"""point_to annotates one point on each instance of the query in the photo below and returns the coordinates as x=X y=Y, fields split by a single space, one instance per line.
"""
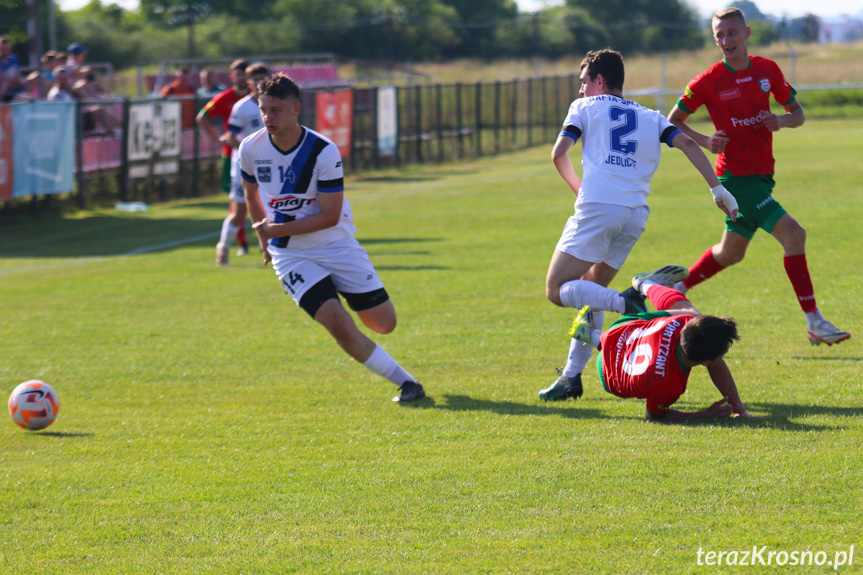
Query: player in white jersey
x=293 y=181
x=621 y=147
x=245 y=119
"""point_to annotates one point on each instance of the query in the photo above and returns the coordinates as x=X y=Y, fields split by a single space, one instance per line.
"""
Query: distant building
x=840 y=29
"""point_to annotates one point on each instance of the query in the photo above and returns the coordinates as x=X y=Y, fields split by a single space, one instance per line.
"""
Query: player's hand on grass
x=717 y=142
x=719 y=409
x=725 y=201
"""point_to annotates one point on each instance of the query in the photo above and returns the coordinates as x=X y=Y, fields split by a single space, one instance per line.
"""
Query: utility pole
x=34 y=34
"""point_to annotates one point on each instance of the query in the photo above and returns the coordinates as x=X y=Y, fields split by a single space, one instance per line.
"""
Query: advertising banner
x=6 y=162
x=44 y=149
x=155 y=138
x=388 y=123
x=335 y=118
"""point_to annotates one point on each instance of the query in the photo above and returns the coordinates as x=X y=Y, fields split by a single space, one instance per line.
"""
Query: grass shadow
x=467 y=403
x=780 y=416
x=61 y=434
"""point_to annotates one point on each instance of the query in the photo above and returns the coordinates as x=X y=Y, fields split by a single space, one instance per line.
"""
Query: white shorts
x=603 y=233
x=345 y=261
x=237 y=193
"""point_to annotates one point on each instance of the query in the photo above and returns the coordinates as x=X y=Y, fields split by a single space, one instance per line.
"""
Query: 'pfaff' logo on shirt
x=290 y=203
x=264 y=174
x=729 y=94
x=765 y=85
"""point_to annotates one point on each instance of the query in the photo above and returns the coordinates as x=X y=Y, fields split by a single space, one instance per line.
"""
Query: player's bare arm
x=331 y=211
x=721 y=376
x=723 y=199
x=257 y=213
x=560 y=157
x=203 y=121
x=715 y=144
x=793 y=118
x=230 y=138
x=719 y=409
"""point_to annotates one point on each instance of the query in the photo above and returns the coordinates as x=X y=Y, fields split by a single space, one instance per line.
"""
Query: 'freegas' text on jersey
x=621 y=147
x=289 y=183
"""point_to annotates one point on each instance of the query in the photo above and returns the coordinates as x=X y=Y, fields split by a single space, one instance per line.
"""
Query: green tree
x=478 y=24
x=644 y=25
x=370 y=29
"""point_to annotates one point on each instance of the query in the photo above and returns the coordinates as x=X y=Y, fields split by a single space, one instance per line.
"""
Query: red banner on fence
x=6 y=163
x=335 y=118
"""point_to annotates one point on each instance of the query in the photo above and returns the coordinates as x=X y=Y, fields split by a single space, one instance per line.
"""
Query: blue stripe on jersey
x=282 y=242
x=248 y=177
x=668 y=135
x=234 y=129
x=303 y=165
x=572 y=132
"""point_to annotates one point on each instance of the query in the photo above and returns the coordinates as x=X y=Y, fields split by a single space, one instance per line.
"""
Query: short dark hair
x=239 y=64
x=607 y=62
x=257 y=69
x=280 y=86
x=729 y=13
x=707 y=337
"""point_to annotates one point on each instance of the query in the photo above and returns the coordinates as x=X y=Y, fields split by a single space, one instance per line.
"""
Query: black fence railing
x=436 y=123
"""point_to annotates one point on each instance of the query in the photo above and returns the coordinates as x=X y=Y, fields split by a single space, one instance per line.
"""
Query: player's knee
x=384 y=327
x=553 y=295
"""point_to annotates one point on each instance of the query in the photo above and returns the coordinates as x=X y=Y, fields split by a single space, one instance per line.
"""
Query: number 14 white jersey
x=621 y=147
x=290 y=182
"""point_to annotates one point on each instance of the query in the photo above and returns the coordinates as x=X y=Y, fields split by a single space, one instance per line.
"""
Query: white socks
x=579 y=293
x=229 y=232
x=382 y=364
x=579 y=351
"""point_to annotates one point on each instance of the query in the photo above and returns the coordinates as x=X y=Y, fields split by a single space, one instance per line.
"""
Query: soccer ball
x=34 y=405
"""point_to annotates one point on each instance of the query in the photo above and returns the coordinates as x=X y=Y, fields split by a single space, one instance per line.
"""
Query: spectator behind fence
x=10 y=69
x=88 y=89
x=75 y=56
x=87 y=85
x=180 y=86
x=61 y=88
x=208 y=88
x=94 y=118
x=39 y=83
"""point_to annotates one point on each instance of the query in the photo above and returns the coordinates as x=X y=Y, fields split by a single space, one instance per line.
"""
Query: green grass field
x=208 y=425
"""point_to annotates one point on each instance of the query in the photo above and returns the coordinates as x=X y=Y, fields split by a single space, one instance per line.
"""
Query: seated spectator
x=87 y=86
x=10 y=69
x=61 y=89
x=208 y=88
x=38 y=83
x=75 y=58
x=180 y=86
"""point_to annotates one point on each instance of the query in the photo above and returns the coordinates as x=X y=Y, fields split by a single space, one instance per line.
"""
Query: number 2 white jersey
x=621 y=147
x=290 y=182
